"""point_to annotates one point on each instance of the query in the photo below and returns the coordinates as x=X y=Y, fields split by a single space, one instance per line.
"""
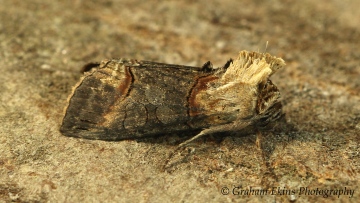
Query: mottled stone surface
x=44 y=45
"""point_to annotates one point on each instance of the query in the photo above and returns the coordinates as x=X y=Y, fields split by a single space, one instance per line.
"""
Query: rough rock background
x=44 y=44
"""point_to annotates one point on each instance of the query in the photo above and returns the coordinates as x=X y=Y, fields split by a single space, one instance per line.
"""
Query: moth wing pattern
x=126 y=99
x=129 y=99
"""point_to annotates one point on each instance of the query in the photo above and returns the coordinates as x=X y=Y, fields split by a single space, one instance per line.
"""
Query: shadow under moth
x=130 y=99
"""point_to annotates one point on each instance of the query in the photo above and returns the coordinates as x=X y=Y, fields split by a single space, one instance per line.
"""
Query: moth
x=131 y=99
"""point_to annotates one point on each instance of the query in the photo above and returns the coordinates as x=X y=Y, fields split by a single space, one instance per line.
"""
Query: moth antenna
x=170 y=157
x=183 y=145
x=266 y=46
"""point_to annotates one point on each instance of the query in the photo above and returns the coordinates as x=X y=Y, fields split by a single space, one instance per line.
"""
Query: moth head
x=268 y=107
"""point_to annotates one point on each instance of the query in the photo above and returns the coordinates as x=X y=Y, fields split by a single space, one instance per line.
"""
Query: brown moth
x=130 y=99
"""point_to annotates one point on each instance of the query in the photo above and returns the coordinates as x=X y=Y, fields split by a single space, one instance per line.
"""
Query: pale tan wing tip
x=274 y=62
